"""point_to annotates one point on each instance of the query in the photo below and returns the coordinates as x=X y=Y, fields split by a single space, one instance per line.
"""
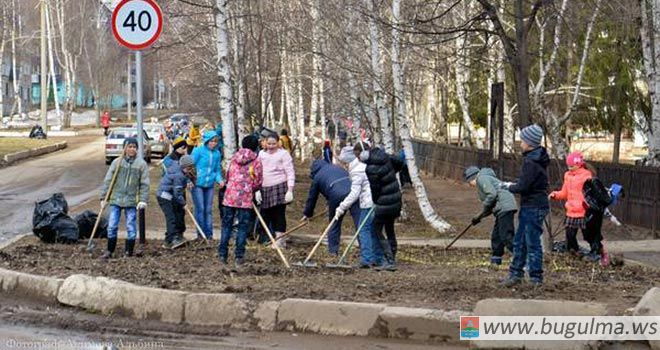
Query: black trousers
x=174 y=218
x=275 y=218
x=386 y=223
x=502 y=235
x=593 y=234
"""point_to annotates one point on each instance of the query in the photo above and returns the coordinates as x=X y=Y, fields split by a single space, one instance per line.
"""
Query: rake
x=340 y=264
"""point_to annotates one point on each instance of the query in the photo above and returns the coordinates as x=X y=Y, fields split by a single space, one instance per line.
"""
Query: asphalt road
x=76 y=171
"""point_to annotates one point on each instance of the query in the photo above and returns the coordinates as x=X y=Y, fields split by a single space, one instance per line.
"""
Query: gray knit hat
x=186 y=161
x=532 y=135
x=470 y=173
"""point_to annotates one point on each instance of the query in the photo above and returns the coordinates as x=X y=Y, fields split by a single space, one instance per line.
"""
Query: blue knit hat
x=130 y=141
x=532 y=135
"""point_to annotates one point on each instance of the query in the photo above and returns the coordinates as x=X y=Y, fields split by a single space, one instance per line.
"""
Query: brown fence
x=639 y=207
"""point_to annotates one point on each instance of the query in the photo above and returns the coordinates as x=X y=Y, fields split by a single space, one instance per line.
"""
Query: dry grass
x=16 y=144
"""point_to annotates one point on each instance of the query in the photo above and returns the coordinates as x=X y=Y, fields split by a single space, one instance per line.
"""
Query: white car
x=160 y=143
x=114 y=143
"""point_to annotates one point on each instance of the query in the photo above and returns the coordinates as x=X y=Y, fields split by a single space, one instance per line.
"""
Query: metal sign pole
x=138 y=86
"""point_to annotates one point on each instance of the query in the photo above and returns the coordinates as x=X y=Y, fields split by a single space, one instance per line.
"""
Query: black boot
x=112 y=243
x=130 y=244
x=389 y=264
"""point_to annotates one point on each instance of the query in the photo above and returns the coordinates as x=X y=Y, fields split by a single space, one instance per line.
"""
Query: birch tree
x=650 y=35
x=462 y=73
x=16 y=76
x=3 y=41
x=397 y=76
x=226 y=98
x=238 y=46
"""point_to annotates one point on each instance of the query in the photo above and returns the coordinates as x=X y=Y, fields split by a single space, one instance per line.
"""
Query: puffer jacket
x=381 y=170
x=532 y=185
x=571 y=192
x=173 y=184
x=131 y=185
x=244 y=177
x=329 y=180
x=359 y=187
x=491 y=196
x=207 y=162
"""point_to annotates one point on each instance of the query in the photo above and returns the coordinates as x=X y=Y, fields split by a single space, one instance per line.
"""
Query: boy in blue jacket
x=170 y=196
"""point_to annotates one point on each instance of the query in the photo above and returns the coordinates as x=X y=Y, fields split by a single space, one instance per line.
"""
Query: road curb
x=223 y=310
x=10 y=158
x=33 y=286
x=649 y=305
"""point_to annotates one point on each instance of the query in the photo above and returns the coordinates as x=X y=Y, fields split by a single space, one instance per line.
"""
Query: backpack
x=596 y=195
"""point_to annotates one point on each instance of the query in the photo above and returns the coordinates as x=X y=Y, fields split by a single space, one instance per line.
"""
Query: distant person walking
x=105 y=122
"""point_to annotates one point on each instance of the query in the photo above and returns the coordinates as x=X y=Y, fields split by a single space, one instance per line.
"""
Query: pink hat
x=575 y=159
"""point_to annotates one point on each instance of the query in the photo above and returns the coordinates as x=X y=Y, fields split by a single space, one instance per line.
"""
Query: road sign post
x=137 y=24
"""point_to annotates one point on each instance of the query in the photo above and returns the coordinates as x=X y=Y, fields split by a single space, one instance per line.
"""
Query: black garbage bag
x=66 y=229
x=86 y=221
x=37 y=132
x=45 y=214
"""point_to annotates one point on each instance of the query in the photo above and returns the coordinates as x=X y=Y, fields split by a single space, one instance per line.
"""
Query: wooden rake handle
x=270 y=236
x=318 y=243
x=107 y=197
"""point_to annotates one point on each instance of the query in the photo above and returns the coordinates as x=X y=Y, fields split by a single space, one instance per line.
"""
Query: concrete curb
x=34 y=286
x=223 y=310
x=51 y=133
x=14 y=157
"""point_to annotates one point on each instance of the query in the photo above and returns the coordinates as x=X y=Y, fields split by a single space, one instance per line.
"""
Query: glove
x=505 y=185
x=476 y=220
x=337 y=216
x=103 y=203
x=257 y=197
x=339 y=212
x=288 y=198
x=142 y=205
x=615 y=221
x=221 y=184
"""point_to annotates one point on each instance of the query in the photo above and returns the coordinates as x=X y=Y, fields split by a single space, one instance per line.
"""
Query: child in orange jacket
x=571 y=192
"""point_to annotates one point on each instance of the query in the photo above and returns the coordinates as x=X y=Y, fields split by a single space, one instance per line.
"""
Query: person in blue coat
x=334 y=183
x=207 y=160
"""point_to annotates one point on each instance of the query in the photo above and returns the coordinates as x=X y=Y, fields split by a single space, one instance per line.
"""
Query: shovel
x=458 y=236
x=90 y=244
x=306 y=263
x=340 y=264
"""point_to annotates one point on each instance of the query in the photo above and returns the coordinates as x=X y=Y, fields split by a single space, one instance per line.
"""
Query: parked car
x=114 y=143
x=160 y=144
x=178 y=117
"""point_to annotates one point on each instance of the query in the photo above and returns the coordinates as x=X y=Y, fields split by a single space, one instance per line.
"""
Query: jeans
x=171 y=210
x=502 y=235
x=245 y=218
x=365 y=237
x=334 y=236
x=115 y=216
x=527 y=244
x=203 y=200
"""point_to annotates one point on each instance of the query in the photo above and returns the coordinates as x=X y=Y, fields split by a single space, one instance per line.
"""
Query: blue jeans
x=367 y=253
x=245 y=218
x=334 y=236
x=203 y=200
x=527 y=244
x=115 y=216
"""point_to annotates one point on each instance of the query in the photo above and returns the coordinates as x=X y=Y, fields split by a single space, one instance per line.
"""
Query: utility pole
x=129 y=98
x=44 y=70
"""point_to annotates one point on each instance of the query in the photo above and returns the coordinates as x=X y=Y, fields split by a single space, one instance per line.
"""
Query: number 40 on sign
x=137 y=24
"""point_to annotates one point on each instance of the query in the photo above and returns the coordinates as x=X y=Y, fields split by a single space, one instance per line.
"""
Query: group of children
x=586 y=204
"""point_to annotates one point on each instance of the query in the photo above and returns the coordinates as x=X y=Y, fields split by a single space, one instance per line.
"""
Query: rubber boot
x=130 y=245
x=112 y=244
x=389 y=264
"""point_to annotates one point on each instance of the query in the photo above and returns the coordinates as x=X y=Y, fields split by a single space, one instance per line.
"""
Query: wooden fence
x=640 y=206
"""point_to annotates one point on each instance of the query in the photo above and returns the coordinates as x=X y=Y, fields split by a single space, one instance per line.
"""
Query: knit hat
x=532 y=135
x=250 y=142
x=470 y=173
x=186 y=161
x=130 y=141
x=575 y=159
x=179 y=142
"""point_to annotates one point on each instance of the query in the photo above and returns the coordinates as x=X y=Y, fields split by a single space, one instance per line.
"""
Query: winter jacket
x=131 y=185
x=194 y=136
x=286 y=143
x=244 y=177
x=172 y=158
x=381 y=170
x=359 y=187
x=491 y=196
x=346 y=155
x=329 y=180
x=207 y=162
x=105 y=120
x=173 y=185
x=278 y=168
x=327 y=154
x=532 y=185
x=571 y=192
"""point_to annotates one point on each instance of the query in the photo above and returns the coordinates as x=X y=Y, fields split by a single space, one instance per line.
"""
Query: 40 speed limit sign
x=137 y=24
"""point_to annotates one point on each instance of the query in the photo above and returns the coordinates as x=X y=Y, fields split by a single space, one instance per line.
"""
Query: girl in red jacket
x=571 y=192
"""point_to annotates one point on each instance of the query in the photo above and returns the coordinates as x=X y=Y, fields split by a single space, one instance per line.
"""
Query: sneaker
x=511 y=282
x=178 y=242
x=592 y=257
x=166 y=245
x=106 y=255
x=223 y=261
x=239 y=262
x=496 y=260
x=604 y=258
x=386 y=267
x=364 y=266
x=536 y=283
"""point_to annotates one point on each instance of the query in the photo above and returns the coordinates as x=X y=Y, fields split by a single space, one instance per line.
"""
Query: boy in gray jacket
x=130 y=192
x=499 y=202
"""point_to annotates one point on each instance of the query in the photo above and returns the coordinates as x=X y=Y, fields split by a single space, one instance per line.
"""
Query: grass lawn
x=16 y=144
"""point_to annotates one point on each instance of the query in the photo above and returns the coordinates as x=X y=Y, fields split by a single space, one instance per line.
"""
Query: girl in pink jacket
x=571 y=192
x=277 y=188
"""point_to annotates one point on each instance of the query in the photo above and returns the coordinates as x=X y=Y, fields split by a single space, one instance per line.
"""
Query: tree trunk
x=617 y=137
x=51 y=62
x=239 y=65
x=521 y=67
x=316 y=67
x=654 y=85
x=3 y=41
x=304 y=146
x=15 y=74
x=377 y=70
x=226 y=99
x=397 y=76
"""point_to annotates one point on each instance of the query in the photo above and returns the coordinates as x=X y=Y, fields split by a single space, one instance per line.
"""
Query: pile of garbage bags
x=52 y=224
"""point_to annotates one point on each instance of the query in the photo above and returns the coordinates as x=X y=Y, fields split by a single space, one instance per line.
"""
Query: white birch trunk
x=226 y=98
x=397 y=75
x=653 y=157
x=322 y=115
x=288 y=98
x=316 y=66
x=238 y=47
x=355 y=109
x=377 y=71
x=3 y=41
x=15 y=74
x=300 y=109
x=51 y=62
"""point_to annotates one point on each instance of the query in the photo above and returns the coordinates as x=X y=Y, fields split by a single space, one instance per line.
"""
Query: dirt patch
x=427 y=277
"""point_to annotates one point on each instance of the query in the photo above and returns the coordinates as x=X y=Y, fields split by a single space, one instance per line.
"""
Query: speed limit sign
x=137 y=24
